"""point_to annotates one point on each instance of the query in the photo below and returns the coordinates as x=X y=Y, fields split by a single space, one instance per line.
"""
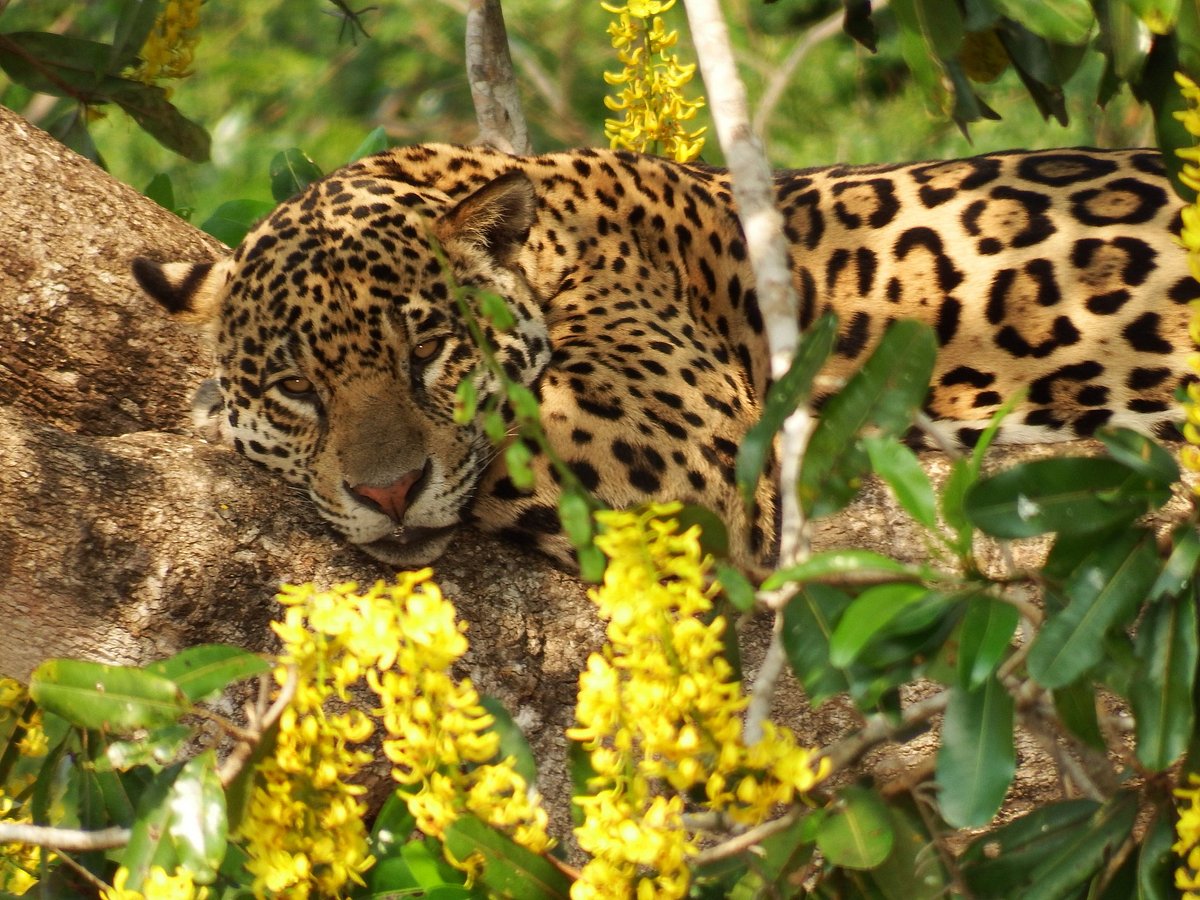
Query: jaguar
x=339 y=342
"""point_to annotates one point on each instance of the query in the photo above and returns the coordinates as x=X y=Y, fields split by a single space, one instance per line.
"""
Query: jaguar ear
x=496 y=218
x=190 y=291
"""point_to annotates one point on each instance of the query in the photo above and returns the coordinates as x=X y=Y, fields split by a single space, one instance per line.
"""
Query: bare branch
x=63 y=838
x=493 y=85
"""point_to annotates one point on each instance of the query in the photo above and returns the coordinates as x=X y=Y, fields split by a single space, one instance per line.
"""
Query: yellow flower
x=651 y=83
x=157 y=886
x=659 y=712
x=170 y=47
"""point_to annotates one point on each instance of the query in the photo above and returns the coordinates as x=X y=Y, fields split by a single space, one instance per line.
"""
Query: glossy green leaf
x=149 y=842
x=197 y=824
x=714 y=536
x=466 y=401
x=1076 y=708
x=736 y=587
x=897 y=465
x=834 y=563
x=883 y=393
x=149 y=107
x=375 y=142
x=291 y=172
x=1103 y=592
x=1061 y=874
x=1156 y=861
x=1141 y=454
x=392 y=827
x=508 y=868
x=513 y=743
x=998 y=864
x=987 y=630
x=857 y=833
x=58 y=64
x=808 y=622
x=977 y=759
x=209 y=668
x=157 y=747
x=911 y=871
x=1070 y=495
x=1182 y=565
x=495 y=309
x=518 y=460
x=162 y=191
x=1033 y=64
x=1157 y=89
x=1124 y=39
x=575 y=513
x=115 y=698
x=871 y=612
x=134 y=22
x=1161 y=694
x=1065 y=21
x=783 y=397
x=940 y=23
x=230 y=222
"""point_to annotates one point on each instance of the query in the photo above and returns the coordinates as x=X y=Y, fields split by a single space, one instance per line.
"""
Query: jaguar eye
x=297 y=387
x=427 y=350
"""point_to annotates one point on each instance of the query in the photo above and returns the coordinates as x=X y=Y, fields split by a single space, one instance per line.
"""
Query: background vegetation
x=274 y=74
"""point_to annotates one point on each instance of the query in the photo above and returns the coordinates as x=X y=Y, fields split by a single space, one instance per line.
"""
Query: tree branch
x=493 y=85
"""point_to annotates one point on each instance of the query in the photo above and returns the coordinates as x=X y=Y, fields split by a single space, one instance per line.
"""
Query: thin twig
x=493 y=85
x=63 y=838
x=747 y=839
x=99 y=884
x=258 y=726
x=880 y=729
x=758 y=710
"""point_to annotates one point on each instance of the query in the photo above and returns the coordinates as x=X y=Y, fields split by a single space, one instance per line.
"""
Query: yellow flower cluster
x=304 y=828
x=439 y=741
x=1187 y=848
x=659 y=711
x=157 y=886
x=1190 y=236
x=171 y=44
x=19 y=863
x=651 y=85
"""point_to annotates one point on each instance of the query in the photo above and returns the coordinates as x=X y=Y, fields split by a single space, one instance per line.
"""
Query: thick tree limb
x=493 y=85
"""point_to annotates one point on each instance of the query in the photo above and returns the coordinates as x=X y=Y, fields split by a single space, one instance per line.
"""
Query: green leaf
x=871 y=612
x=1124 y=39
x=1161 y=694
x=857 y=834
x=508 y=868
x=1076 y=707
x=156 y=748
x=783 y=397
x=393 y=825
x=518 y=461
x=899 y=467
x=197 y=824
x=575 y=513
x=1065 y=21
x=977 y=759
x=1103 y=592
x=208 y=669
x=149 y=843
x=116 y=698
x=513 y=742
x=375 y=142
x=714 y=537
x=833 y=563
x=58 y=64
x=808 y=622
x=911 y=871
x=1064 y=494
x=884 y=393
x=857 y=23
x=150 y=108
x=495 y=309
x=466 y=400
x=999 y=864
x=1159 y=15
x=1062 y=873
x=291 y=172
x=1141 y=454
x=232 y=219
x=987 y=630
x=1181 y=566
x=161 y=191
x=134 y=22
x=1156 y=861
x=736 y=586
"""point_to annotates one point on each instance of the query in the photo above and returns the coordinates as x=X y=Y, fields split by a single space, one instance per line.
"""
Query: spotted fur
x=339 y=347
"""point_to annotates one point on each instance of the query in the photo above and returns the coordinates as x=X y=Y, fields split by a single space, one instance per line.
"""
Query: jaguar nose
x=394 y=499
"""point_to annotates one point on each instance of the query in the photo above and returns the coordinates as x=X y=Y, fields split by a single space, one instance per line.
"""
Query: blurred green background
x=274 y=74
